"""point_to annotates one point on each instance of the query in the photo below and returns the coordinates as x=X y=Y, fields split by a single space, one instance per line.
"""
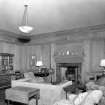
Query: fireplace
x=68 y=67
x=68 y=71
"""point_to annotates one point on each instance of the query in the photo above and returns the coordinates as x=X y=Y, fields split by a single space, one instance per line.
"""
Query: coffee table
x=22 y=94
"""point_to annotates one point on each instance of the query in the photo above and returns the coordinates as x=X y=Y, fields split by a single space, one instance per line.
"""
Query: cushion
x=37 y=79
x=72 y=98
x=101 y=81
x=91 y=85
x=32 y=78
x=32 y=101
x=77 y=99
x=29 y=75
x=63 y=102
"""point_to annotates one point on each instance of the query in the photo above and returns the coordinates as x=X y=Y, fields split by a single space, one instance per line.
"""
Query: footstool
x=22 y=94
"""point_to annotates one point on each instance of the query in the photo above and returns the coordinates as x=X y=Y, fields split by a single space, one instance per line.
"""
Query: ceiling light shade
x=24 y=27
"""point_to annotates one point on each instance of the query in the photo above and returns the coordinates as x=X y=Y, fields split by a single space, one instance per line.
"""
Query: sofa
x=91 y=97
x=94 y=94
x=99 y=85
x=48 y=93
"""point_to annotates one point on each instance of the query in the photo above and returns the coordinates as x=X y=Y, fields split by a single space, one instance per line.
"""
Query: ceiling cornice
x=95 y=28
x=58 y=36
x=8 y=33
x=80 y=30
x=10 y=37
x=78 y=34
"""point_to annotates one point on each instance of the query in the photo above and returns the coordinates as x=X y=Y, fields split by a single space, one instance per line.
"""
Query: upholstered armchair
x=99 y=85
x=86 y=98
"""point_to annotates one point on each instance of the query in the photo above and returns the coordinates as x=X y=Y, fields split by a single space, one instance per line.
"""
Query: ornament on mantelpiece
x=68 y=52
x=63 y=53
x=56 y=53
x=59 y=53
x=73 y=53
x=83 y=53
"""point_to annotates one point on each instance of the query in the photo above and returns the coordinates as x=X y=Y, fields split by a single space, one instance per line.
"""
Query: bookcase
x=6 y=68
x=6 y=62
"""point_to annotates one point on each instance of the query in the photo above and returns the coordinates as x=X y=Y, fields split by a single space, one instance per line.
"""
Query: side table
x=22 y=94
x=69 y=89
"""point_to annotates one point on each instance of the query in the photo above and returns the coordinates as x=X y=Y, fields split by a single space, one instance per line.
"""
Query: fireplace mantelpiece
x=68 y=59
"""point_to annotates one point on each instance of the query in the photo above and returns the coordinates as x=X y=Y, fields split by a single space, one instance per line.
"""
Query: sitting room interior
x=58 y=41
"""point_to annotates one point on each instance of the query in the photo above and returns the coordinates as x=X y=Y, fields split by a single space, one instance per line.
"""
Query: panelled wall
x=13 y=49
x=93 y=51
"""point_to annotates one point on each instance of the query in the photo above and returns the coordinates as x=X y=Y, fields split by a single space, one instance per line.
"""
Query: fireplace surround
x=68 y=71
x=68 y=68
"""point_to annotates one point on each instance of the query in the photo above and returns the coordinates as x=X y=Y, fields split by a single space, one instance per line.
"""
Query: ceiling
x=51 y=15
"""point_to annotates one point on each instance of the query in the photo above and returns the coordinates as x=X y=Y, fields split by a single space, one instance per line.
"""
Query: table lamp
x=39 y=64
x=102 y=64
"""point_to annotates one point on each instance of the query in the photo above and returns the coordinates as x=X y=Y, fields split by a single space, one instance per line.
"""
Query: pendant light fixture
x=25 y=28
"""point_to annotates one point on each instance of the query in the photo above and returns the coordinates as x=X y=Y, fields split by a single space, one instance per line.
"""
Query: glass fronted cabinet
x=6 y=62
x=6 y=70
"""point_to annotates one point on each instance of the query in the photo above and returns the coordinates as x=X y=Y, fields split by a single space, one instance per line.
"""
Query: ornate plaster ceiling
x=51 y=15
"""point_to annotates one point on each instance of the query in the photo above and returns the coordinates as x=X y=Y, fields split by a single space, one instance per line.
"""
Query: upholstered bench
x=22 y=94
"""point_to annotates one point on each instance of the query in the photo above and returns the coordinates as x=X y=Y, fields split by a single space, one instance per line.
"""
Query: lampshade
x=102 y=62
x=39 y=63
x=24 y=27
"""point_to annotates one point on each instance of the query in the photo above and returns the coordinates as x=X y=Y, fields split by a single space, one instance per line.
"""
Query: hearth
x=68 y=71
